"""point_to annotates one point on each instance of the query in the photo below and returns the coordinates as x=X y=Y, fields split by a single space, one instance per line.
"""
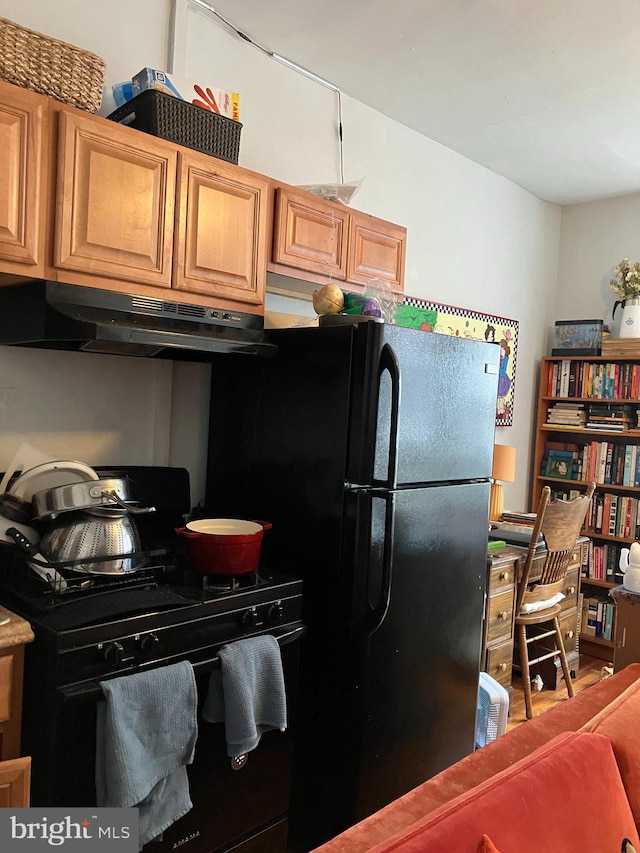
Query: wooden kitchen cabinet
x=115 y=201
x=23 y=126
x=376 y=250
x=13 y=636
x=15 y=783
x=316 y=239
x=220 y=247
x=310 y=233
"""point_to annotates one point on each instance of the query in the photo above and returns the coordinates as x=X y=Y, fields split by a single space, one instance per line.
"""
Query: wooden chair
x=560 y=523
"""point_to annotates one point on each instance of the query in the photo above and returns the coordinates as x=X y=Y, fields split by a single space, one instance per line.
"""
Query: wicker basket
x=179 y=121
x=51 y=67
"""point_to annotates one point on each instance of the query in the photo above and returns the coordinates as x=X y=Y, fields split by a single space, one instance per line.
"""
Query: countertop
x=16 y=631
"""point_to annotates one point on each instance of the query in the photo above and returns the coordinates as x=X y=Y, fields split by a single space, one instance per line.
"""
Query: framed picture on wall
x=461 y=322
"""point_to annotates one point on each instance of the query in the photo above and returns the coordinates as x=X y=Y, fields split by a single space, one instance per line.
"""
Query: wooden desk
x=503 y=570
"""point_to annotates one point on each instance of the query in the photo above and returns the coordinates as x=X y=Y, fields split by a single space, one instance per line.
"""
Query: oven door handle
x=205 y=666
x=90 y=691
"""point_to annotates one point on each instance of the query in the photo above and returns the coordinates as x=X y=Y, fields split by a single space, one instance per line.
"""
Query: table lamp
x=504 y=469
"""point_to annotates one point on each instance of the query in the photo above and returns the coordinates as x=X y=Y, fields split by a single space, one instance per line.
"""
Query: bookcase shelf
x=606 y=391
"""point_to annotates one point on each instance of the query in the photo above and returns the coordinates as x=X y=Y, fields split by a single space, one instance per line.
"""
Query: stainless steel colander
x=99 y=535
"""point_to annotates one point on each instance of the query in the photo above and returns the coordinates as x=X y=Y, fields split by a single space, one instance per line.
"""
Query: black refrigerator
x=369 y=449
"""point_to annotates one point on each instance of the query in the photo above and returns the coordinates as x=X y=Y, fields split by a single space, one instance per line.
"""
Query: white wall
x=474 y=239
x=595 y=237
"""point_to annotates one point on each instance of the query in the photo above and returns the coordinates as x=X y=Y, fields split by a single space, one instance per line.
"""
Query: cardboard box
x=208 y=97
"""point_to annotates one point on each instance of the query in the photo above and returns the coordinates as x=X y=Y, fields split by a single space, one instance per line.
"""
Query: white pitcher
x=630 y=322
x=630 y=567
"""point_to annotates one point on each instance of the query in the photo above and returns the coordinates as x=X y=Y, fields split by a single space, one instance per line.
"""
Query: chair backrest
x=560 y=523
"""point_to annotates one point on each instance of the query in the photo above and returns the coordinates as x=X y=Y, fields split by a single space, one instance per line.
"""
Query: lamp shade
x=504 y=463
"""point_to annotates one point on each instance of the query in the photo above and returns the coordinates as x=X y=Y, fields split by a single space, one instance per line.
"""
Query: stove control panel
x=195 y=632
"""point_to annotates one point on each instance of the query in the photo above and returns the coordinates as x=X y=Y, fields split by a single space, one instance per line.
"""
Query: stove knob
x=276 y=613
x=113 y=653
x=149 y=644
x=249 y=618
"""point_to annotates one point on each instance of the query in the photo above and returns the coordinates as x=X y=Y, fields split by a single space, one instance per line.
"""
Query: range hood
x=52 y=315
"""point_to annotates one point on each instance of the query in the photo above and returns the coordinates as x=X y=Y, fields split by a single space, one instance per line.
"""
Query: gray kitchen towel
x=247 y=693
x=146 y=735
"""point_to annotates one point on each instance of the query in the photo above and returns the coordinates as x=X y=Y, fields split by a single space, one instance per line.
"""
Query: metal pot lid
x=49 y=475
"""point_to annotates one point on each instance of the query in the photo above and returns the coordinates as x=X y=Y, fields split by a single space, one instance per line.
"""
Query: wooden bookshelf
x=574 y=388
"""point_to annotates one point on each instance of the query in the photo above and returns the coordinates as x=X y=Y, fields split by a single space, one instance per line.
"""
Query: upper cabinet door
x=376 y=250
x=115 y=201
x=309 y=233
x=221 y=228
x=22 y=118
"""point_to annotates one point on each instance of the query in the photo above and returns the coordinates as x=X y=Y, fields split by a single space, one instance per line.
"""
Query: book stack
x=567 y=414
x=609 y=417
x=597 y=617
x=516 y=528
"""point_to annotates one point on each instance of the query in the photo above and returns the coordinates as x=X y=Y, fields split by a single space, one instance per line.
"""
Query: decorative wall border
x=461 y=322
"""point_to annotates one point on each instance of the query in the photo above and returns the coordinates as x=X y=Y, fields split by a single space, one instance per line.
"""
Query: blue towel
x=146 y=735
x=247 y=692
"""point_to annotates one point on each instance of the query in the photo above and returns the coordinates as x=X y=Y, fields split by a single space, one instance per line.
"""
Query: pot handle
x=266 y=525
x=615 y=305
x=188 y=534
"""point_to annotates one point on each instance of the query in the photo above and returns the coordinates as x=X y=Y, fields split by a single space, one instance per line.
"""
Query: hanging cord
x=293 y=65
x=340 y=137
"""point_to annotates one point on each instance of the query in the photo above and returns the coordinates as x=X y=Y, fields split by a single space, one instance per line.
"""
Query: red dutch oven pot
x=224 y=546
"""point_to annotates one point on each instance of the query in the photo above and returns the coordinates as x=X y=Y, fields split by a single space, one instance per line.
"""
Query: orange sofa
x=567 y=781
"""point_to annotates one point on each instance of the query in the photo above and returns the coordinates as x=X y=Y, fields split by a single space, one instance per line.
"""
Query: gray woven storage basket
x=51 y=67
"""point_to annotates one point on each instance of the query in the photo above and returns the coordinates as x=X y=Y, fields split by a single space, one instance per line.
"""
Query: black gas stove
x=106 y=626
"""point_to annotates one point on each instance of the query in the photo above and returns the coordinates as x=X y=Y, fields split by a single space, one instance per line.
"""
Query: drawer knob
x=503 y=667
x=504 y=576
x=571 y=590
x=503 y=614
x=569 y=635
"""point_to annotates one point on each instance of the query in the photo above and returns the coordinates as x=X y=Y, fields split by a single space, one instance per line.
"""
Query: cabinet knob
x=571 y=590
x=503 y=614
x=504 y=576
x=569 y=635
x=503 y=667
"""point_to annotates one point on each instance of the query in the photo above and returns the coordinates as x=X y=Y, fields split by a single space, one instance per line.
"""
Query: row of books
x=603 y=562
x=604 y=462
x=597 y=617
x=601 y=380
x=614 y=515
x=609 y=417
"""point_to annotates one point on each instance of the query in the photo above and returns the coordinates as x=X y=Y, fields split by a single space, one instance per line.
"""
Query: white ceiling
x=543 y=92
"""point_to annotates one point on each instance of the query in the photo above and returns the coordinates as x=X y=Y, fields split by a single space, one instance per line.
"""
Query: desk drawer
x=571 y=587
x=500 y=576
x=500 y=616
x=499 y=663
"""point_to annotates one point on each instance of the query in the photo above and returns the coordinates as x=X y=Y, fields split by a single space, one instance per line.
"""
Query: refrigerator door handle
x=379 y=609
x=389 y=362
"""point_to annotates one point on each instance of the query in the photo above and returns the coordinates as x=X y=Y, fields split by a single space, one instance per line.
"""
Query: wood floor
x=589 y=672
